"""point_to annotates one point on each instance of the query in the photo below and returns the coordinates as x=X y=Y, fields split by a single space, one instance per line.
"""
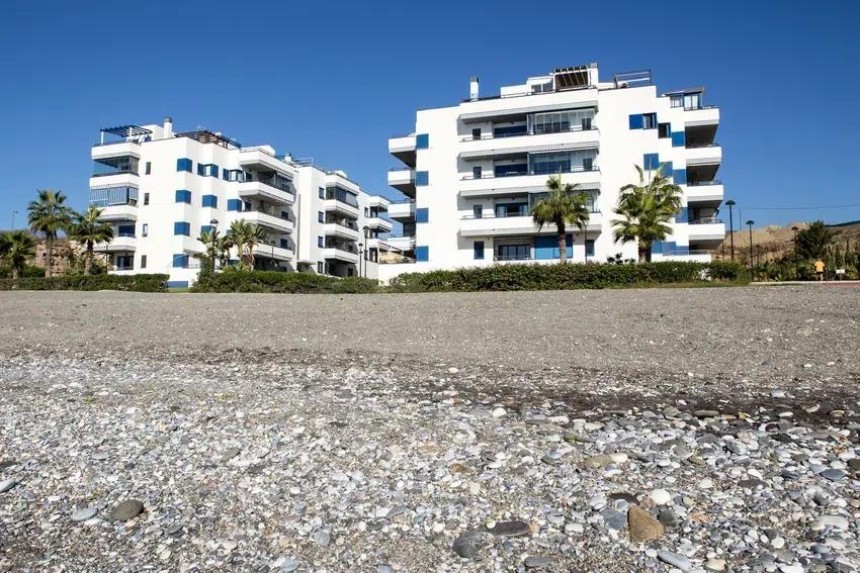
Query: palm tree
x=224 y=244
x=16 y=248
x=645 y=211
x=86 y=228
x=245 y=236
x=217 y=248
x=48 y=215
x=255 y=236
x=561 y=208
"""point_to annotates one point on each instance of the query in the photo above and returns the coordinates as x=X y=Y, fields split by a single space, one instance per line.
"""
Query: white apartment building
x=473 y=171
x=161 y=189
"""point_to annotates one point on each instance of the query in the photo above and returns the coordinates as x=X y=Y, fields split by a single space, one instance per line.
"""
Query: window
x=124 y=262
x=321 y=242
x=677 y=101
x=650 y=161
x=144 y=230
x=664 y=130
x=422 y=215
x=560 y=121
x=513 y=252
x=212 y=170
x=636 y=121
x=206 y=229
x=422 y=141
x=679 y=176
x=184 y=164
x=210 y=201
x=589 y=247
x=510 y=169
x=679 y=139
x=342 y=195
x=478 y=249
x=649 y=121
x=183 y=196
x=182 y=228
x=322 y=192
x=515 y=209
x=125 y=230
x=321 y=217
x=234 y=204
x=143 y=261
x=422 y=178
x=319 y=268
x=510 y=130
x=422 y=254
x=476 y=172
x=692 y=101
x=147 y=170
x=180 y=261
x=146 y=198
x=246 y=206
x=566 y=162
x=476 y=133
x=477 y=211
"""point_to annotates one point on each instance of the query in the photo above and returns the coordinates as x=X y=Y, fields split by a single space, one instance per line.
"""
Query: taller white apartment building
x=161 y=189
x=473 y=171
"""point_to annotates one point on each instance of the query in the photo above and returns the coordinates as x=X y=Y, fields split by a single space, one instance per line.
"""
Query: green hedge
x=30 y=271
x=569 y=276
x=137 y=283
x=275 y=282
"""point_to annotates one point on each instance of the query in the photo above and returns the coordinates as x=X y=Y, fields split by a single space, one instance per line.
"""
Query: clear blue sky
x=333 y=80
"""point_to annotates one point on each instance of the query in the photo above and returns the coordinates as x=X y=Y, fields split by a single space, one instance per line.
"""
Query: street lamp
x=796 y=272
x=731 y=203
x=360 y=252
x=15 y=212
x=750 y=223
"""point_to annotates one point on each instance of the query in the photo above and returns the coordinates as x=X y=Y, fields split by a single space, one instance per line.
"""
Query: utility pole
x=14 y=212
x=731 y=203
x=750 y=223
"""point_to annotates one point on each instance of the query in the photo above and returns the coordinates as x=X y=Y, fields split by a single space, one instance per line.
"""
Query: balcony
x=703 y=115
x=273 y=252
x=489 y=184
x=706 y=229
x=379 y=224
x=704 y=191
x=267 y=191
x=402 y=211
x=707 y=154
x=492 y=226
x=264 y=159
x=489 y=146
x=403 y=148
x=126 y=212
x=267 y=220
x=114 y=149
x=118 y=244
x=378 y=202
x=337 y=254
x=400 y=243
x=350 y=232
x=498 y=109
x=403 y=180
x=340 y=207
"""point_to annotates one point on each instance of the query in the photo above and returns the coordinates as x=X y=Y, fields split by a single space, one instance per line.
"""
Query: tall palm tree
x=245 y=236
x=256 y=235
x=645 y=210
x=86 y=228
x=561 y=208
x=48 y=215
x=16 y=248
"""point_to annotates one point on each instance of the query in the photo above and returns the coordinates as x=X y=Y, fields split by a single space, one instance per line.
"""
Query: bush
x=136 y=283
x=569 y=276
x=275 y=282
x=30 y=271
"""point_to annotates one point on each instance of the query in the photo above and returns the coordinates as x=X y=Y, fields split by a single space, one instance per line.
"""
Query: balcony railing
x=488 y=136
x=704 y=183
x=512 y=257
x=574 y=169
x=705 y=221
x=345 y=223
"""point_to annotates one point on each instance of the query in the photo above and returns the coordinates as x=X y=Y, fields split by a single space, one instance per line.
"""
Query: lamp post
x=796 y=273
x=14 y=212
x=731 y=203
x=360 y=255
x=750 y=223
x=214 y=224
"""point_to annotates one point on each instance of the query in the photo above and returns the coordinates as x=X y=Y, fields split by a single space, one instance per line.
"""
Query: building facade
x=161 y=189
x=472 y=172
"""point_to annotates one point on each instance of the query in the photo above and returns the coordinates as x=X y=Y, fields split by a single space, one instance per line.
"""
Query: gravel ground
x=635 y=430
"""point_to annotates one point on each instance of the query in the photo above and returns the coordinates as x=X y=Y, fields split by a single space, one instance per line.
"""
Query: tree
x=16 y=248
x=562 y=207
x=86 y=228
x=48 y=215
x=812 y=241
x=245 y=236
x=645 y=211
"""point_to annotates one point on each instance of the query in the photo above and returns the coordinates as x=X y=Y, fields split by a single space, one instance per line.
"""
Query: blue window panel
x=225 y=175
x=636 y=121
x=680 y=176
x=546 y=248
x=177 y=284
x=322 y=192
x=125 y=230
x=681 y=250
x=422 y=141
x=285 y=243
x=321 y=242
x=234 y=204
x=180 y=261
x=210 y=201
x=183 y=196
x=650 y=161
x=657 y=248
x=422 y=178
x=510 y=130
x=422 y=215
x=478 y=249
x=182 y=228
x=682 y=216
x=678 y=139
x=206 y=229
x=201 y=169
x=320 y=216
x=667 y=169
x=184 y=164
x=422 y=253
x=212 y=170
x=589 y=247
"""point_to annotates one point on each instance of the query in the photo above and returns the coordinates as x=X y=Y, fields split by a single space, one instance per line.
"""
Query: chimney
x=168 y=127
x=473 y=88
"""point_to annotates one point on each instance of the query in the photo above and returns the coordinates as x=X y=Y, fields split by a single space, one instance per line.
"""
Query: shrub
x=562 y=277
x=30 y=271
x=275 y=282
x=137 y=283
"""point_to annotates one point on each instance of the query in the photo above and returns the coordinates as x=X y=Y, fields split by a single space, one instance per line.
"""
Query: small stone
x=832 y=521
x=643 y=527
x=854 y=464
x=777 y=542
x=671 y=412
x=669 y=518
x=511 y=529
x=385 y=569
x=791 y=569
x=85 y=514
x=127 y=510
x=468 y=544
x=453 y=370
x=230 y=454
x=614 y=519
x=7 y=484
x=598 y=461
x=715 y=564
x=706 y=484
x=288 y=565
x=674 y=560
x=661 y=496
x=499 y=412
x=833 y=475
x=322 y=537
x=706 y=413
x=751 y=483
x=537 y=562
